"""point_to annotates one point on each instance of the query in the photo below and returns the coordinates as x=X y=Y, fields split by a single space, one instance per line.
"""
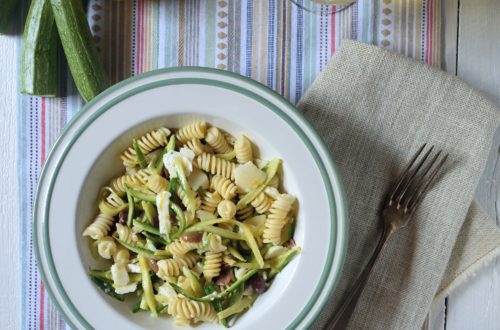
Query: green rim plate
x=333 y=186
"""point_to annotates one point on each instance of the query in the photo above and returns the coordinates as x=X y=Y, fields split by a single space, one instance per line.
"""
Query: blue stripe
x=424 y=30
x=283 y=52
x=300 y=45
x=271 y=36
x=248 y=64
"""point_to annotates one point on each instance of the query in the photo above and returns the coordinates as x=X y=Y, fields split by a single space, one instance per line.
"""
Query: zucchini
x=39 y=69
x=81 y=52
x=7 y=11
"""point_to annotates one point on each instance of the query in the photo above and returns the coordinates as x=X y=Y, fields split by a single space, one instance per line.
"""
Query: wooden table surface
x=471 y=44
x=471 y=37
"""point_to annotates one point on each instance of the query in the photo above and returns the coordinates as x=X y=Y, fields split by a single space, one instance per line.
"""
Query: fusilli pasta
x=196 y=130
x=190 y=206
x=179 y=247
x=157 y=183
x=215 y=165
x=173 y=267
x=224 y=187
x=184 y=309
x=277 y=219
x=197 y=147
x=121 y=255
x=262 y=203
x=217 y=141
x=106 y=247
x=147 y=143
x=210 y=201
x=213 y=242
x=245 y=213
x=226 y=209
x=99 y=227
x=243 y=149
x=212 y=265
x=125 y=234
x=112 y=205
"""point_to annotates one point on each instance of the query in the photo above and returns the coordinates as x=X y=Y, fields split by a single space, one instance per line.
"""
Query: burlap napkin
x=374 y=109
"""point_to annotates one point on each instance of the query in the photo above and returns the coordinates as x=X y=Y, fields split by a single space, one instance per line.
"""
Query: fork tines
x=416 y=179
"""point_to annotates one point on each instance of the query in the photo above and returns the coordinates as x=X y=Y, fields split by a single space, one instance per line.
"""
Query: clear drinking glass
x=323 y=7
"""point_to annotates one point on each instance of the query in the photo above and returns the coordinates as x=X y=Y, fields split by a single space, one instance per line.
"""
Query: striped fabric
x=270 y=41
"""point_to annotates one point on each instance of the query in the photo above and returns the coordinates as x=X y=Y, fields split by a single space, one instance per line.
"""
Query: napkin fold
x=374 y=109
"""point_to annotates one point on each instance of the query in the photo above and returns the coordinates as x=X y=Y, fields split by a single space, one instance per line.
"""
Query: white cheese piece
x=119 y=275
x=162 y=204
x=274 y=251
x=248 y=176
x=134 y=268
x=126 y=288
x=186 y=157
x=239 y=272
x=198 y=179
x=256 y=221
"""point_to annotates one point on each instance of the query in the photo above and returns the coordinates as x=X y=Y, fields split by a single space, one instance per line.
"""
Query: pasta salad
x=196 y=228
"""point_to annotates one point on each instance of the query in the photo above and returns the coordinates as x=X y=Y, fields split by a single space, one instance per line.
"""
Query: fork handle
x=340 y=319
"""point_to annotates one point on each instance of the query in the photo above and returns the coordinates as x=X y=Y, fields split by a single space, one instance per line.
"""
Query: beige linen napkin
x=374 y=109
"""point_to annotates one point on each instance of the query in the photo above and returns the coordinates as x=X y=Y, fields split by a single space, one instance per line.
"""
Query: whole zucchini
x=81 y=52
x=39 y=69
x=7 y=11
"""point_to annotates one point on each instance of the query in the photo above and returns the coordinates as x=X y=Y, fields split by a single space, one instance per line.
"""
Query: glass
x=323 y=7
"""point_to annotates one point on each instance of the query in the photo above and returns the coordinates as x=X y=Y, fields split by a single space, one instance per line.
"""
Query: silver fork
x=404 y=197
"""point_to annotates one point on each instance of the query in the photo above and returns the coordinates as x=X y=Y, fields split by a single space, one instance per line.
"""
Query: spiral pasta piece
x=196 y=130
x=215 y=165
x=184 y=309
x=99 y=227
x=212 y=265
x=245 y=213
x=180 y=247
x=210 y=201
x=181 y=321
x=190 y=218
x=147 y=143
x=214 y=242
x=197 y=147
x=121 y=255
x=157 y=183
x=112 y=205
x=106 y=247
x=277 y=218
x=217 y=140
x=231 y=140
x=125 y=234
x=225 y=187
x=173 y=267
x=118 y=184
x=243 y=150
x=190 y=206
x=226 y=209
x=262 y=203
x=142 y=176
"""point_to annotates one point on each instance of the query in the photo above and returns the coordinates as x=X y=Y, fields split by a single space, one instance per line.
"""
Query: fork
x=403 y=198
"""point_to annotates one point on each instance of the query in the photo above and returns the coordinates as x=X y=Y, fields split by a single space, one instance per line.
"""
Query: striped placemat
x=271 y=41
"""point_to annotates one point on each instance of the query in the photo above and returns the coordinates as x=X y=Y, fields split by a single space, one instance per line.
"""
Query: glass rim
x=321 y=8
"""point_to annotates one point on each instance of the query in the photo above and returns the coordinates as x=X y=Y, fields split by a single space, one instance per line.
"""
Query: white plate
x=86 y=157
